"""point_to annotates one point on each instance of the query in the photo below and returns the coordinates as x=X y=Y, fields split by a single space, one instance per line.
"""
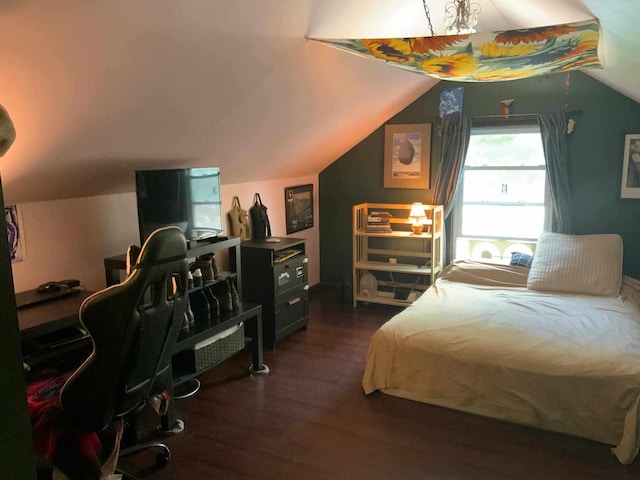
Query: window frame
x=500 y=128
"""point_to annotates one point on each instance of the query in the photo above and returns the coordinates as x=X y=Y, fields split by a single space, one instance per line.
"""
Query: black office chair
x=134 y=326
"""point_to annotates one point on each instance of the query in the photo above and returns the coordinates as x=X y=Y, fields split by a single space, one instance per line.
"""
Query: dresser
x=275 y=274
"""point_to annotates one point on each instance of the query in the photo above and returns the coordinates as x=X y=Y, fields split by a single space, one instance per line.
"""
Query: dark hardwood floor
x=309 y=419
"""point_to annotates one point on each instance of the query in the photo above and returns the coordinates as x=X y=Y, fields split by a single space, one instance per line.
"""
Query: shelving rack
x=402 y=262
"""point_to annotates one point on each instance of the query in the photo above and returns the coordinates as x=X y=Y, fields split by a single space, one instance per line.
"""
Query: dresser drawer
x=290 y=274
x=291 y=314
x=281 y=300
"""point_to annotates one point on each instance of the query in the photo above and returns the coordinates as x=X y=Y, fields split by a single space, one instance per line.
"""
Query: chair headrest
x=164 y=245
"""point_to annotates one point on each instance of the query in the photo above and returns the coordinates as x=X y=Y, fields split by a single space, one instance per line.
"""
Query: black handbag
x=260 y=226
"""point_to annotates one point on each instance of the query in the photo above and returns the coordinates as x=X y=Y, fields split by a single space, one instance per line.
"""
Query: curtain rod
x=512 y=115
x=508 y=115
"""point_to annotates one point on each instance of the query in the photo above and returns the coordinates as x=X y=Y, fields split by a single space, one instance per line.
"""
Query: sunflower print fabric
x=487 y=57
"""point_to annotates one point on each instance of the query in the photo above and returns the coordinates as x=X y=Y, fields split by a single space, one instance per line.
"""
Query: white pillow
x=585 y=264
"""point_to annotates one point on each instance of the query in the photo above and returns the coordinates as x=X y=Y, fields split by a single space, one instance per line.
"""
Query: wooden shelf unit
x=418 y=258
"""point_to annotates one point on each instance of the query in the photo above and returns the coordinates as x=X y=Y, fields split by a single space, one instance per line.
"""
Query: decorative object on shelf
x=260 y=226
x=214 y=305
x=191 y=320
x=486 y=57
x=235 y=297
x=407 y=155
x=368 y=285
x=200 y=306
x=207 y=265
x=461 y=17
x=631 y=167
x=418 y=217
x=298 y=207
x=222 y=292
x=197 y=277
x=239 y=222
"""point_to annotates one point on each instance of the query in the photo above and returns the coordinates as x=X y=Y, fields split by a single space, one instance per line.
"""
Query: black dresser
x=275 y=274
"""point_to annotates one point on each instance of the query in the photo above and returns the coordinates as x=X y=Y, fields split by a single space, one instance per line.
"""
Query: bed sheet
x=479 y=341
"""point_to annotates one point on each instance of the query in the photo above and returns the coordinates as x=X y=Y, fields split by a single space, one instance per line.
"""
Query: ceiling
x=97 y=90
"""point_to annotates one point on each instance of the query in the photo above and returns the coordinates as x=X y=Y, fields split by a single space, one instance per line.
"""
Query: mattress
x=479 y=341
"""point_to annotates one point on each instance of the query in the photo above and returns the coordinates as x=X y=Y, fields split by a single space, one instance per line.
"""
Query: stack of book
x=379 y=222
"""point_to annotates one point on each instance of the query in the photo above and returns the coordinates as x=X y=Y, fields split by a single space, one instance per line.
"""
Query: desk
x=48 y=317
x=40 y=320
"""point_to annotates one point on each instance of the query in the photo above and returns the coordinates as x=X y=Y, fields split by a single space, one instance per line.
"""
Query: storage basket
x=212 y=351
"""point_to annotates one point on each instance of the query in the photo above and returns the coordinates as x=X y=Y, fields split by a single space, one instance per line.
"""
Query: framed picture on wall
x=298 y=207
x=407 y=155
x=631 y=167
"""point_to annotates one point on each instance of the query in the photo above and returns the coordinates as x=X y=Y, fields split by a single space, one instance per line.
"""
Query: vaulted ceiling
x=97 y=90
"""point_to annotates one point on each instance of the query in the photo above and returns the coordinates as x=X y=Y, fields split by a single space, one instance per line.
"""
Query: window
x=503 y=203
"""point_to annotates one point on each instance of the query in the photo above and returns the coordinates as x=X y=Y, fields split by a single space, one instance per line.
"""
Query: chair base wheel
x=162 y=459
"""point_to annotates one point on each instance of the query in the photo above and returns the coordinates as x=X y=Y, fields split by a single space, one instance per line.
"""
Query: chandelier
x=461 y=17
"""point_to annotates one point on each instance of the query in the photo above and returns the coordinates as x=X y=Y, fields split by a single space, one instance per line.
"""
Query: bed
x=556 y=345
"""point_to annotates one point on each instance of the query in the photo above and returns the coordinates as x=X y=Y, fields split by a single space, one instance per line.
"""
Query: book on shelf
x=379 y=216
x=379 y=222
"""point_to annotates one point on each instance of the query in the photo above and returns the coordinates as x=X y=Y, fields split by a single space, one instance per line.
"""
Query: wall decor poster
x=407 y=155
x=298 y=207
x=13 y=233
x=451 y=101
x=631 y=167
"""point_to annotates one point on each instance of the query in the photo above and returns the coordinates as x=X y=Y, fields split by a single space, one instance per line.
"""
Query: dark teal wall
x=596 y=149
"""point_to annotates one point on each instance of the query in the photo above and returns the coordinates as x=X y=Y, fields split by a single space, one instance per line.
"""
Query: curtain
x=553 y=128
x=456 y=130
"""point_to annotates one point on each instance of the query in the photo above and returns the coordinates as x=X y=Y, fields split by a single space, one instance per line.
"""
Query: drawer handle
x=293 y=301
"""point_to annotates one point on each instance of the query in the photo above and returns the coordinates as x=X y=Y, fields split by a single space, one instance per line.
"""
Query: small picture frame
x=298 y=207
x=407 y=156
x=630 y=187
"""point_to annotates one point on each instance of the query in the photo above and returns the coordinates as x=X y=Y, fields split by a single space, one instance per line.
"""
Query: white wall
x=70 y=238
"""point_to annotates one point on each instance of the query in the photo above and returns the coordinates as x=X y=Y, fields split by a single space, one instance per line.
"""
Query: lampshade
x=417 y=214
x=418 y=217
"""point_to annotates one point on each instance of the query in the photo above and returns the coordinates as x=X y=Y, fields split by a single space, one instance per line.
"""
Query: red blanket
x=78 y=453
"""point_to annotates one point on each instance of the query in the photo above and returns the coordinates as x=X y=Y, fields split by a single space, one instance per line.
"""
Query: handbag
x=239 y=224
x=260 y=226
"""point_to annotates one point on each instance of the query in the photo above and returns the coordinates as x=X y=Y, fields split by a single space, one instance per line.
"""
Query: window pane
x=507 y=186
x=502 y=221
x=512 y=149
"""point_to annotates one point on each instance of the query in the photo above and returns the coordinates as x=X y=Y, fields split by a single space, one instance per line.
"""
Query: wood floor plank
x=309 y=419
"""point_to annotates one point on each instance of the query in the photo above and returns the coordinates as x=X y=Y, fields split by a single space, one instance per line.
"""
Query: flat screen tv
x=188 y=198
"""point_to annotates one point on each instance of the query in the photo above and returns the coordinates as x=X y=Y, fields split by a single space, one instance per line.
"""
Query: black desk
x=43 y=319
x=39 y=321
x=50 y=315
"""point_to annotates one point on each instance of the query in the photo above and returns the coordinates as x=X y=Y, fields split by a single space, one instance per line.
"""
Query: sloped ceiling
x=97 y=90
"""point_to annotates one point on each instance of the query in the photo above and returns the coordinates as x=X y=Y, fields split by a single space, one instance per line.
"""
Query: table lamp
x=418 y=217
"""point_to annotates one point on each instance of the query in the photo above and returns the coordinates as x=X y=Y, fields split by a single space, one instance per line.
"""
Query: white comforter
x=479 y=341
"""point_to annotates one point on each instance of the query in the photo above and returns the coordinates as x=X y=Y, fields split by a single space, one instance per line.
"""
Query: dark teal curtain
x=456 y=130
x=553 y=129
